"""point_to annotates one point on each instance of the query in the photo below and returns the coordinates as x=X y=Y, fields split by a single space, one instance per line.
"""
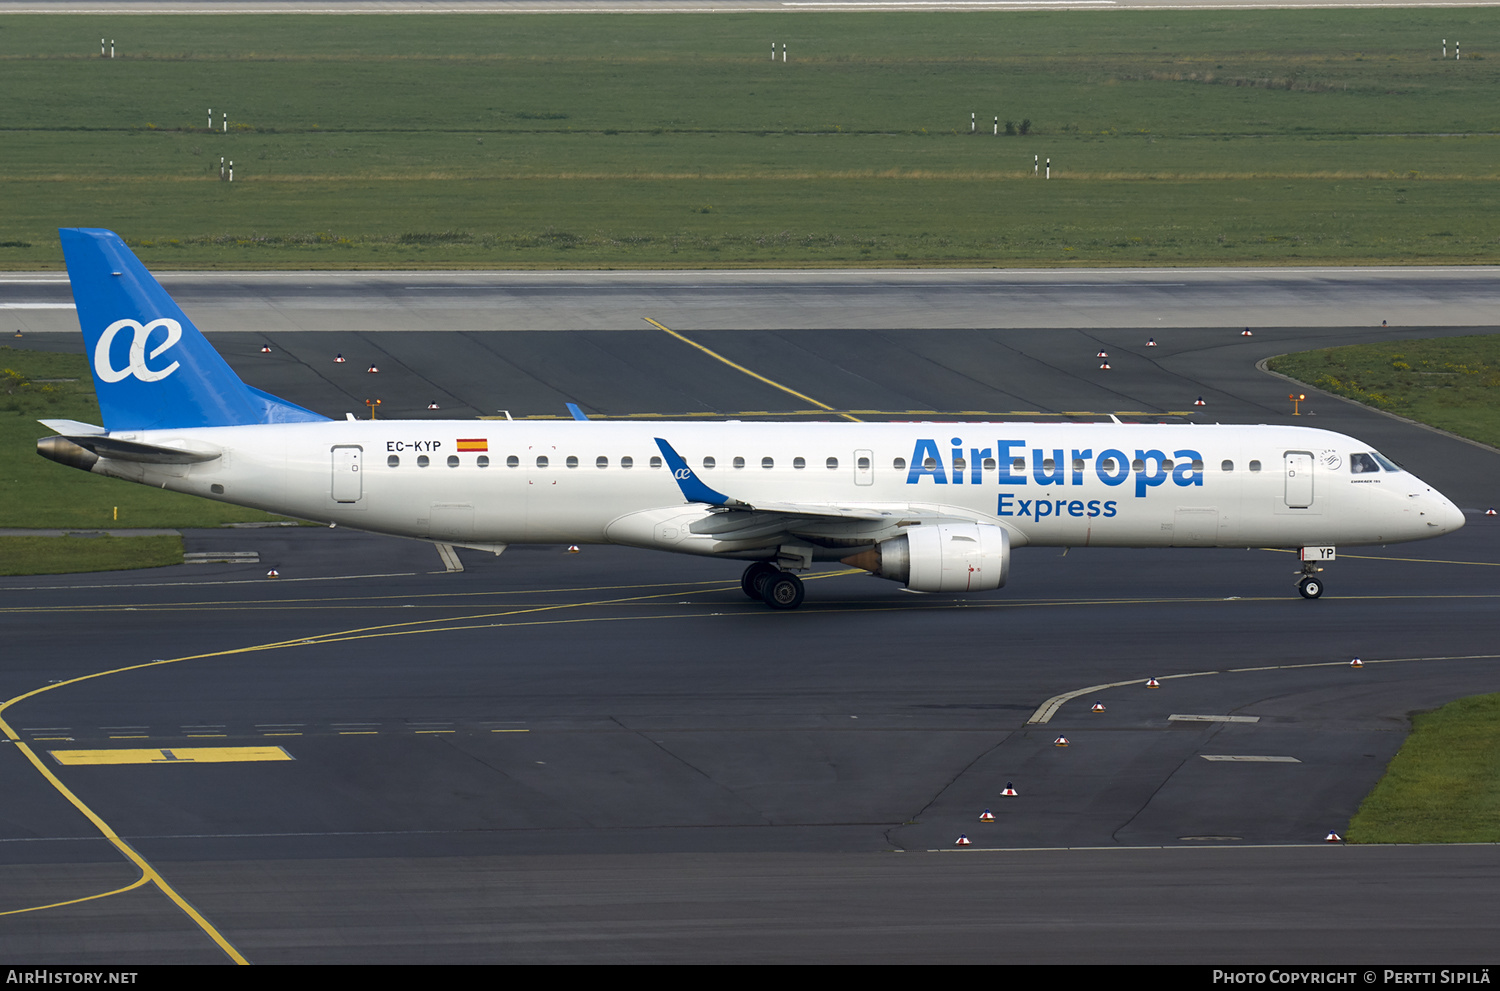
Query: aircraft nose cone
x=1453 y=517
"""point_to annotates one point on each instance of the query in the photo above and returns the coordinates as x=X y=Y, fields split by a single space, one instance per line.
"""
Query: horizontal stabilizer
x=72 y=427
x=68 y=450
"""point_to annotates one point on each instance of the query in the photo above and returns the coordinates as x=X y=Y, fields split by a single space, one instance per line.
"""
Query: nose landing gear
x=1310 y=585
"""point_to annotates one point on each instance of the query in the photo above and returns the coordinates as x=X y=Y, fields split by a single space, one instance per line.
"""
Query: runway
x=614 y=756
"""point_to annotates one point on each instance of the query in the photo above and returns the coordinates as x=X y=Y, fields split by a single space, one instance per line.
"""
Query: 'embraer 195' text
x=1006 y=463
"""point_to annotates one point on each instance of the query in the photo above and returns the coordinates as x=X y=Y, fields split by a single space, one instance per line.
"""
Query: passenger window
x=1359 y=464
x=627 y=462
x=393 y=462
x=541 y=461
x=864 y=464
x=1107 y=464
x=1137 y=465
x=423 y=461
x=833 y=464
x=1047 y=463
x=452 y=461
x=1077 y=464
x=799 y=463
x=899 y=464
x=739 y=462
x=989 y=464
x=512 y=462
x=1197 y=464
x=1255 y=466
x=708 y=463
x=483 y=461
x=929 y=463
x=1227 y=466
x=959 y=464
x=1018 y=464
x=655 y=461
x=768 y=462
x=572 y=461
x=601 y=462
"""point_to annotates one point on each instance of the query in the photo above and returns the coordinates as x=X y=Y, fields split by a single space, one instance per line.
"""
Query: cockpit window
x=1385 y=462
x=1361 y=463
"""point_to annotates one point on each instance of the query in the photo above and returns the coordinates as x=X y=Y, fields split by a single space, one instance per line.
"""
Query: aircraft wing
x=736 y=524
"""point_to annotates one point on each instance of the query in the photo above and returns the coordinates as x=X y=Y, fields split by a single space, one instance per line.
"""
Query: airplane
x=936 y=507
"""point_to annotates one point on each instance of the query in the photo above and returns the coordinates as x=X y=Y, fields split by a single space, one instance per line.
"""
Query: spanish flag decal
x=473 y=444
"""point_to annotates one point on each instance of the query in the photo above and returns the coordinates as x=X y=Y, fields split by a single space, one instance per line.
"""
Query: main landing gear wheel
x=1311 y=588
x=783 y=591
x=753 y=581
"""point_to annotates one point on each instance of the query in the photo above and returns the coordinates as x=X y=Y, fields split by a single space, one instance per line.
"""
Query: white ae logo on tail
x=138 y=356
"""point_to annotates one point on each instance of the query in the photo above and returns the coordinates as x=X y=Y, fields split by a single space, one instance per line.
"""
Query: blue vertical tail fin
x=152 y=368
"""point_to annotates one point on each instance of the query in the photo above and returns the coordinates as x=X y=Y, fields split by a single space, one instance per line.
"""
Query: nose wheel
x=1310 y=585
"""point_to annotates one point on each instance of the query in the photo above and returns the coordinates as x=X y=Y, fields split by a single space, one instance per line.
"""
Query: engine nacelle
x=943 y=557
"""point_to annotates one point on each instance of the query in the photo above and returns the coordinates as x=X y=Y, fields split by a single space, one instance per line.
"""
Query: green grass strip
x=62 y=555
x=1444 y=784
x=1448 y=382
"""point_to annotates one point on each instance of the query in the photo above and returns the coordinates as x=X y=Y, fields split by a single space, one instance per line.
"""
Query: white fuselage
x=491 y=483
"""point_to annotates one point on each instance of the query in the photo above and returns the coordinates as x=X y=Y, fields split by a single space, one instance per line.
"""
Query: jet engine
x=942 y=557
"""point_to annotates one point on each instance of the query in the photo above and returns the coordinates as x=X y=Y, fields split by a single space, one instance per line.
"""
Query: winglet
x=693 y=489
x=577 y=413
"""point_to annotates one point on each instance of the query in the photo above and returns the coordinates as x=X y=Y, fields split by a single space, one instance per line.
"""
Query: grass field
x=68 y=554
x=1449 y=382
x=1444 y=784
x=514 y=141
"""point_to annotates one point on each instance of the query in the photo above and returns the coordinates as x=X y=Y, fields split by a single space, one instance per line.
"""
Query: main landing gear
x=768 y=583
